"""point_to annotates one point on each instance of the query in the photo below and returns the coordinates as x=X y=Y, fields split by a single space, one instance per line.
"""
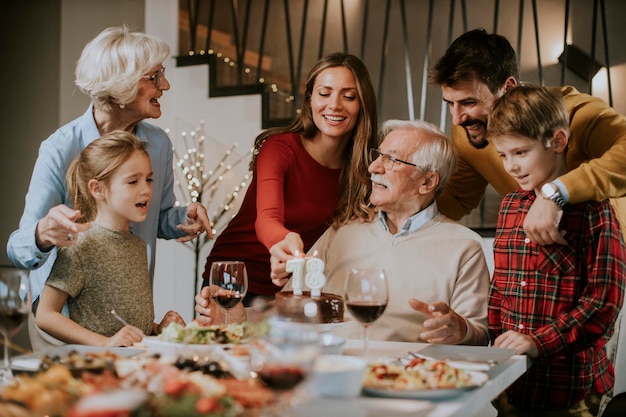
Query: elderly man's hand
x=444 y=325
x=198 y=222
x=210 y=313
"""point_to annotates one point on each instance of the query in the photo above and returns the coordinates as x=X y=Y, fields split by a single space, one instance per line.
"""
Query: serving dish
x=477 y=379
x=31 y=362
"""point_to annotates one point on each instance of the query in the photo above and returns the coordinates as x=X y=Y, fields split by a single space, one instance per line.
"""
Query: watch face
x=548 y=190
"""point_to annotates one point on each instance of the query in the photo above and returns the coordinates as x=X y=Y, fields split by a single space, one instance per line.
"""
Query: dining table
x=465 y=403
x=472 y=402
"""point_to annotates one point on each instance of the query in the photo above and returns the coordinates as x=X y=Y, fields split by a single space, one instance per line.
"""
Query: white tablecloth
x=467 y=404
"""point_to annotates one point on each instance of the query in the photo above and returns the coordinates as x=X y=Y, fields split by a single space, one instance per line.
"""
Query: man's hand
x=522 y=343
x=542 y=223
x=444 y=325
x=198 y=222
x=59 y=228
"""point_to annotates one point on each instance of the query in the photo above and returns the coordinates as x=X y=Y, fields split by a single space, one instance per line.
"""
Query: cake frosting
x=325 y=308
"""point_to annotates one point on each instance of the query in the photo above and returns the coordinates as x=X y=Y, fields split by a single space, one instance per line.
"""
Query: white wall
x=227 y=120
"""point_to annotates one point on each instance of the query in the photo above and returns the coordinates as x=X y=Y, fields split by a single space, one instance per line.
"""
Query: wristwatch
x=550 y=191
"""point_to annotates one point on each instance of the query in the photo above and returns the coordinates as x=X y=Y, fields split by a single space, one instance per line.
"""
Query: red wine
x=227 y=301
x=366 y=311
x=10 y=319
x=282 y=378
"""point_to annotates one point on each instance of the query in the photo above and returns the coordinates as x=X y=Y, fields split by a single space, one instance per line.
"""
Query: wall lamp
x=579 y=62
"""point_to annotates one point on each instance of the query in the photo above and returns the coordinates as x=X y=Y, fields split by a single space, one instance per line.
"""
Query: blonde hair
x=111 y=65
x=435 y=152
x=355 y=184
x=98 y=160
x=529 y=111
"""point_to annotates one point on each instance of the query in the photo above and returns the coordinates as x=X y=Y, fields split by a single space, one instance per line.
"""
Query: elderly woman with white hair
x=122 y=72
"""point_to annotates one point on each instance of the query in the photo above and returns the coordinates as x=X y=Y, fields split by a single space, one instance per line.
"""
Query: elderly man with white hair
x=436 y=268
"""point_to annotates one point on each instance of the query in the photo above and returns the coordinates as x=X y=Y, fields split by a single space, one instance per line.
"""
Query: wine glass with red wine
x=283 y=359
x=15 y=303
x=229 y=283
x=366 y=297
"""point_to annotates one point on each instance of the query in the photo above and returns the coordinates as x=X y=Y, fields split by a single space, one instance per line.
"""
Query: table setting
x=268 y=366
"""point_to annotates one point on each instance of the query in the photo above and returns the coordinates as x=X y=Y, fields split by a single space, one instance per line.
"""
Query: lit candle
x=295 y=265
x=315 y=278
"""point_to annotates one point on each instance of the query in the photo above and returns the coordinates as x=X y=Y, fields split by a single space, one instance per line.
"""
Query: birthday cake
x=325 y=308
x=314 y=306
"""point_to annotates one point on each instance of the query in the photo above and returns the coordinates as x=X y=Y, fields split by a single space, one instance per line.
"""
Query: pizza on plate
x=418 y=374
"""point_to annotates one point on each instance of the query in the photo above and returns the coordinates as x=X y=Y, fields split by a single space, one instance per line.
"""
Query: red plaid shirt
x=566 y=297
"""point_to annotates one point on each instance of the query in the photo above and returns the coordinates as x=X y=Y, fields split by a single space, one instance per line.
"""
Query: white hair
x=435 y=153
x=111 y=65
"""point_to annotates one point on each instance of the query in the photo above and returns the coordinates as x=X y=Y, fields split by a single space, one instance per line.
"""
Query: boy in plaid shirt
x=557 y=304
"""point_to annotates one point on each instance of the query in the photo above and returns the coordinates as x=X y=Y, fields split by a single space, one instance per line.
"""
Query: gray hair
x=111 y=65
x=436 y=152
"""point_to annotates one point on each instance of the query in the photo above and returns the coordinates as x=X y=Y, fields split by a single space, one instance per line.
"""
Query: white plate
x=239 y=366
x=477 y=379
x=32 y=361
x=174 y=349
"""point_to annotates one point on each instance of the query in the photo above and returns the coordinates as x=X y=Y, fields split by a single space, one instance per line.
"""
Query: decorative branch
x=195 y=184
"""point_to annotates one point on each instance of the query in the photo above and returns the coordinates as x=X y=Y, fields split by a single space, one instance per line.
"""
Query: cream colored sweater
x=442 y=261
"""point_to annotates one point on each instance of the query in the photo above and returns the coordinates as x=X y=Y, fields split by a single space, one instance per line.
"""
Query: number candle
x=315 y=278
x=296 y=266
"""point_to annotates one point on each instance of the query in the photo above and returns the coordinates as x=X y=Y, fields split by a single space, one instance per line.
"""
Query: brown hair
x=355 y=183
x=98 y=160
x=490 y=57
x=529 y=111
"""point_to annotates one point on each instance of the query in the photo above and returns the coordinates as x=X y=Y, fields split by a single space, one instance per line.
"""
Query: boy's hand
x=522 y=343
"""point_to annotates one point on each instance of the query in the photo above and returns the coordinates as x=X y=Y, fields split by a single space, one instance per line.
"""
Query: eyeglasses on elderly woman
x=156 y=77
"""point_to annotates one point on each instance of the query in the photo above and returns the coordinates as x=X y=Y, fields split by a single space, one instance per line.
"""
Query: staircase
x=267 y=46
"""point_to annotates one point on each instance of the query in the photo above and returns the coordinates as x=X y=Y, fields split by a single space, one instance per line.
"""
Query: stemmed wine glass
x=283 y=359
x=229 y=283
x=15 y=302
x=366 y=297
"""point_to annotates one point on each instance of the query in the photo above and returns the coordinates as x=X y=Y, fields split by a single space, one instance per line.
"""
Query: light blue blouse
x=47 y=189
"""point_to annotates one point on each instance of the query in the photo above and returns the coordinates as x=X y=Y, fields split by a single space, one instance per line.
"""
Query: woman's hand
x=288 y=248
x=59 y=228
x=210 y=313
x=197 y=222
